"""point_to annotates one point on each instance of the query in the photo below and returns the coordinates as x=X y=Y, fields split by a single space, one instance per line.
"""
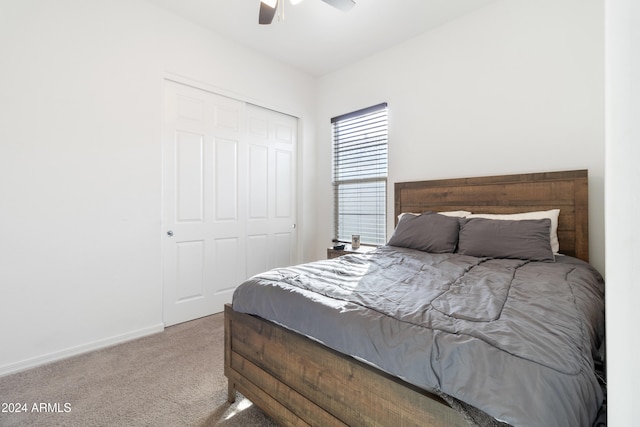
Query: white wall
x=622 y=206
x=80 y=163
x=515 y=87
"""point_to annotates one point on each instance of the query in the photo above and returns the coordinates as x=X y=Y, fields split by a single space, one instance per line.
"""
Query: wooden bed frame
x=298 y=381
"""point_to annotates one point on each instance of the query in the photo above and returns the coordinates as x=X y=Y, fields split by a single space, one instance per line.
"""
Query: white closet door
x=204 y=215
x=229 y=203
x=271 y=221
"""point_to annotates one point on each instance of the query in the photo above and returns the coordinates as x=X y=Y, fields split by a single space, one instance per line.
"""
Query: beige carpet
x=174 y=378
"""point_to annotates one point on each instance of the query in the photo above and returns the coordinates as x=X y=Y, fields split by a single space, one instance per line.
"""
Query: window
x=360 y=174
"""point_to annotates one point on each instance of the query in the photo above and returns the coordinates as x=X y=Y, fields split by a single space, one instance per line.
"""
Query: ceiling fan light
x=271 y=3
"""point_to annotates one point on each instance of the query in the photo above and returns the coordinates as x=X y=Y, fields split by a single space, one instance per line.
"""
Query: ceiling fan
x=268 y=8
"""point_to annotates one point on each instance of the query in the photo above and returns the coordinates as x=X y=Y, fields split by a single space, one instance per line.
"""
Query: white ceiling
x=316 y=37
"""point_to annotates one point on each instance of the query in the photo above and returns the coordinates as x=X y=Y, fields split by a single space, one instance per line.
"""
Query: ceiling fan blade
x=344 y=5
x=267 y=13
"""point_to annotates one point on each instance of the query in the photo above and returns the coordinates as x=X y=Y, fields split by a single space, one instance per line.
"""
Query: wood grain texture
x=506 y=194
x=298 y=381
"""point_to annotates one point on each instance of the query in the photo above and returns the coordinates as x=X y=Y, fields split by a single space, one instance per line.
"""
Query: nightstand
x=334 y=253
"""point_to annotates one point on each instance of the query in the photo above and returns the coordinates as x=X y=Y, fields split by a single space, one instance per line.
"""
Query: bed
x=299 y=380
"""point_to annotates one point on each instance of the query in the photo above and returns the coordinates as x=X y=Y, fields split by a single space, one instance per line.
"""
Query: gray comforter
x=510 y=337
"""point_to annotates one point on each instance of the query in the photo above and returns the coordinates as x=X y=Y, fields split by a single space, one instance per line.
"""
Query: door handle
x=170 y=233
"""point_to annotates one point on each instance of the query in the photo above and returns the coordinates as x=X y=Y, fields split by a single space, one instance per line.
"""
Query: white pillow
x=459 y=214
x=406 y=213
x=551 y=214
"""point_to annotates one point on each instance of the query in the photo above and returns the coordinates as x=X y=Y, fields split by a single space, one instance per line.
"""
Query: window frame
x=362 y=176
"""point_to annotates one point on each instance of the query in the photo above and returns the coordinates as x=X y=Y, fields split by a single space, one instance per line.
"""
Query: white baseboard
x=23 y=365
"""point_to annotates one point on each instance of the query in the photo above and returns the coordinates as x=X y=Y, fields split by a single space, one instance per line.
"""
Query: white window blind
x=360 y=174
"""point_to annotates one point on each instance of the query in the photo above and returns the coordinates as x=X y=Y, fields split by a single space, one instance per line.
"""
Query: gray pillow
x=428 y=232
x=523 y=239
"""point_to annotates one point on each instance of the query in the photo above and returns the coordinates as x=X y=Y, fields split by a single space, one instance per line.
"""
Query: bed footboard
x=298 y=381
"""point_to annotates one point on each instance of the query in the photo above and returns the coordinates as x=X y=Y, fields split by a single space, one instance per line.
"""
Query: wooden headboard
x=567 y=191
